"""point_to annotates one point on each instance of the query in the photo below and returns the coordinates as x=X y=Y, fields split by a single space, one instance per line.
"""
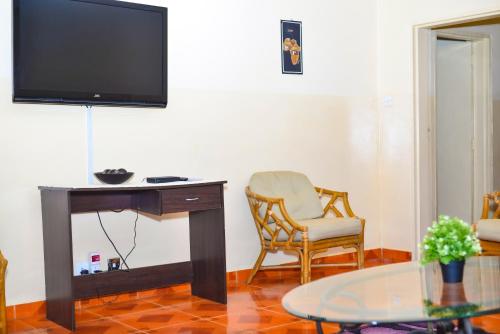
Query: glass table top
x=403 y=292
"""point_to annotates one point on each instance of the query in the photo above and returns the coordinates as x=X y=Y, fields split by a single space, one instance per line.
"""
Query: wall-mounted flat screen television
x=90 y=52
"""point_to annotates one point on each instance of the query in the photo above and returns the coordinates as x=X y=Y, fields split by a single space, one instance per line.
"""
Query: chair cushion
x=489 y=229
x=301 y=199
x=324 y=228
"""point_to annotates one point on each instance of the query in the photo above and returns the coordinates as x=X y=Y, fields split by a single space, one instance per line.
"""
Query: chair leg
x=306 y=266
x=258 y=263
x=3 y=321
x=361 y=256
x=309 y=266
x=301 y=261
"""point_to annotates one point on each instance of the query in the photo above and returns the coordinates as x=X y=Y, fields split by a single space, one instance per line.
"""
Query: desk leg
x=58 y=256
x=208 y=254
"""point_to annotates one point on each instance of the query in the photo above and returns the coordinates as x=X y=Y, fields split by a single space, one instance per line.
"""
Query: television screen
x=90 y=52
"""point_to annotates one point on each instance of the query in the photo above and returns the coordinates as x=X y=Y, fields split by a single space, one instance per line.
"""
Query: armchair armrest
x=488 y=201
x=280 y=218
x=330 y=206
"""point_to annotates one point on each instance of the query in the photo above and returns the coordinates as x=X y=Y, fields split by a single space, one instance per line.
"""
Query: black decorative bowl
x=113 y=178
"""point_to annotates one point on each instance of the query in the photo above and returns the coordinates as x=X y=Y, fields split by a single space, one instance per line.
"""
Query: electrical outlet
x=388 y=101
x=114 y=263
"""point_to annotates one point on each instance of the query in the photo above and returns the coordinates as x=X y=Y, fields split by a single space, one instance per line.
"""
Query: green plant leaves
x=447 y=240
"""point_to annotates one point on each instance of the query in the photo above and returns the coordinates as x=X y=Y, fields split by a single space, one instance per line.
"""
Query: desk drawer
x=191 y=199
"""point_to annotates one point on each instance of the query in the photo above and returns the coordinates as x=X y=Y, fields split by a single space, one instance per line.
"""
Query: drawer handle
x=192 y=199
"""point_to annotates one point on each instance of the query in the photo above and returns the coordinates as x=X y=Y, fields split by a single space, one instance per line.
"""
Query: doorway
x=453 y=135
x=454 y=127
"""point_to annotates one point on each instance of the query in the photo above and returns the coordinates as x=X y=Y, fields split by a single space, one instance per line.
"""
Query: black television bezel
x=89 y=98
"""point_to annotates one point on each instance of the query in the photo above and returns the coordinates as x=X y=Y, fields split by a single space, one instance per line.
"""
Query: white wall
x=231 y=112
x=397 y=165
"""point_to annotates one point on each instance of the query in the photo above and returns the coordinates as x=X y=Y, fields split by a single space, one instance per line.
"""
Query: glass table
x=400 y=293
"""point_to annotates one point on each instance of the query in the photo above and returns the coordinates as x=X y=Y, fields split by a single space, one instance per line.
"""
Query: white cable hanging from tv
x=90 y=145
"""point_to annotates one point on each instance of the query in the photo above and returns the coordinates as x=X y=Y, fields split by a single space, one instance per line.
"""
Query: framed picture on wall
x=291 y=47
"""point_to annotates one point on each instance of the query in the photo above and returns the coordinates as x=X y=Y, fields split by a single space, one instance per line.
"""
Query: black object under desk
x=206 y=271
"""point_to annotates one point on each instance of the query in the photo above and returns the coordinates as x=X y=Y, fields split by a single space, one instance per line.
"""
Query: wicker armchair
x=289 y=215
x=488 y=227
x=3 y=315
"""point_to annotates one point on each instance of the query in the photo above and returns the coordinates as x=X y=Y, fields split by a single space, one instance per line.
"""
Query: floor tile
x=161 y=291
x=40 y=322
x=102 y=326
x=286 y=283
x=235 y=288
x=300 y=327
x=55 y=330
x=155 y=319
x=35 y=309
x=194 y=327
x=268 y=296
x=253 y=319
x=276 y=308
x=104 y=300
x=82 y=315
x=116 y=309
x=203 y=309
x=18 y=326
x=239 y=300
x=174 y=298
x=251 y=297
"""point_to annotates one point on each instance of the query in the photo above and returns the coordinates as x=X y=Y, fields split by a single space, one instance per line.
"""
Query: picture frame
x=292 y=54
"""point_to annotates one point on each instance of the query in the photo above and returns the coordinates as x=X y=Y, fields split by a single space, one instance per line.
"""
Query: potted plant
x=450 y=241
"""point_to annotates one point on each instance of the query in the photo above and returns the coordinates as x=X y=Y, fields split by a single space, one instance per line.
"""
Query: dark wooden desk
x=206 y=271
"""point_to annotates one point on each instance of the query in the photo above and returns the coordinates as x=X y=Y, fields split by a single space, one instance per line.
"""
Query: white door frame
x=425 y=110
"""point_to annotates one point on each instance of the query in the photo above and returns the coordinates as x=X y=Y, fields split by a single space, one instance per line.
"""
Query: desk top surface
x=134 y=186
x=403 y=292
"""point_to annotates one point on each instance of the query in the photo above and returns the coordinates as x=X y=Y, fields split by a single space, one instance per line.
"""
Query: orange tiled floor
x=254 y=308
